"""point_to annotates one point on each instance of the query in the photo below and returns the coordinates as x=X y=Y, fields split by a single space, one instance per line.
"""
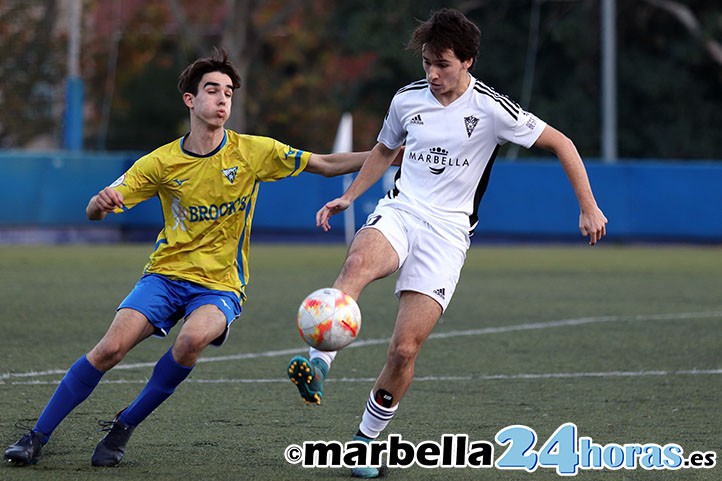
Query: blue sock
x=167 y=375
x=74 y=388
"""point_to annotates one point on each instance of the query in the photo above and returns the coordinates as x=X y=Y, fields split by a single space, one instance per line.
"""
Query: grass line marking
x=681 y=316
x=486 y=377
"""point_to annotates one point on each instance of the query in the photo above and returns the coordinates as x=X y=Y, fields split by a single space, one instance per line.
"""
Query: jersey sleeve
x=273 y=160
x=140 y=182
x=516 y=125
x=393 y=133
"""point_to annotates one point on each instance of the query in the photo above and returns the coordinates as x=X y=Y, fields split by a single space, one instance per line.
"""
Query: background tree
x=244 y=27
x=30 y=64
x=670 y=86
x=305 y=62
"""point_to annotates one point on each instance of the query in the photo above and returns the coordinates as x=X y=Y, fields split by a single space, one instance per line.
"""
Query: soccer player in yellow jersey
x=207 y=183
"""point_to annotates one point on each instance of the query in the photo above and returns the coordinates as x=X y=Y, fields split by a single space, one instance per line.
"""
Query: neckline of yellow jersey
x=209 y=154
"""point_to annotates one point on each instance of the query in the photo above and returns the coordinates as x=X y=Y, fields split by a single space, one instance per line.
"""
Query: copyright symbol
x=293 y=454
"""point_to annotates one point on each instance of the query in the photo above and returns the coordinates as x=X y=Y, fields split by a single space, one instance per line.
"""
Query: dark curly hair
x=218 y=62
x=447 y=29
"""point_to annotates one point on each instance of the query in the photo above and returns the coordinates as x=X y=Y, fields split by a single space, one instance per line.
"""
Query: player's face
x=448 y=76
x=212 y=104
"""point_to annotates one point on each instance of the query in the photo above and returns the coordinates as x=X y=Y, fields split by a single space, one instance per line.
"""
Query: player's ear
x=188 y=99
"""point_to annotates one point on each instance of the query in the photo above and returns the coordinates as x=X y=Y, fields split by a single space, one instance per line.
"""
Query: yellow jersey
x=208 y=204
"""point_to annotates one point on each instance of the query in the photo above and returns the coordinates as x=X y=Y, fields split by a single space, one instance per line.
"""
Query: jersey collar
x=209 y=154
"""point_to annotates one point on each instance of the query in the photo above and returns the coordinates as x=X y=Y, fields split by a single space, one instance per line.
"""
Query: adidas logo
x=440 y=292
x=416 y=120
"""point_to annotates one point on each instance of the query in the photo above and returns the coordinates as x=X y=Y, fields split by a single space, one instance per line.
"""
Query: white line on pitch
x=439 y=335
x=485 y=377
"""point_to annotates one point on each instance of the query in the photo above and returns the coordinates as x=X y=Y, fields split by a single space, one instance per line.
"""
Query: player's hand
x=331 y=208
x=109 y=199
x=593 y=224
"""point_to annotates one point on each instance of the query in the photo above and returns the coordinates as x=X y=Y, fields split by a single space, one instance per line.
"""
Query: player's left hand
x=593 y=224
x=330 y=208
x=109 y=199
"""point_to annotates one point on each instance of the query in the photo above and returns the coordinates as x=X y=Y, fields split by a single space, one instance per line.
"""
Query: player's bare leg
x=128 y=328
x=417 y=316
x=202 y=326
x=370 y=257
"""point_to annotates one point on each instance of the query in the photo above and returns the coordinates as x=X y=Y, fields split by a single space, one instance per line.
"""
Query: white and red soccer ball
x=329 y=319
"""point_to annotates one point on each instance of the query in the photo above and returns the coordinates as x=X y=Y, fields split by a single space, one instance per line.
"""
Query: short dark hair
x=447 y=29
x=218 y=62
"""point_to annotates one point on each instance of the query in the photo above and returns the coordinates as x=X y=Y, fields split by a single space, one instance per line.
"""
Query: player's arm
x=592 y=221
x=378 y=162
x=330 y=165
x=105 y=202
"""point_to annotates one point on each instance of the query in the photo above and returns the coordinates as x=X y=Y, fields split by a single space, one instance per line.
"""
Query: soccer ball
x=329 y=319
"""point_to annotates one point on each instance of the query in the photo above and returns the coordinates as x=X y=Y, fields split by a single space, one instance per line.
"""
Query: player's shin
x=167 y=375
x=77 y=384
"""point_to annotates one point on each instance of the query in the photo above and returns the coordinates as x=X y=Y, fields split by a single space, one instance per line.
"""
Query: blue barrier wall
x=52 y=189
x=679 y=201
x=642 y=200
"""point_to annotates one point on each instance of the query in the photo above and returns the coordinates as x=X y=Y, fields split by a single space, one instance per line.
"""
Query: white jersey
x=450 y=150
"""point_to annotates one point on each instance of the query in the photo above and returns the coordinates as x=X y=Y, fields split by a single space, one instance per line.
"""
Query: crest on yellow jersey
x=230 y=174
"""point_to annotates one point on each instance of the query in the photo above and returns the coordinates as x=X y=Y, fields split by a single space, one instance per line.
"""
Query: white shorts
x=430 y=256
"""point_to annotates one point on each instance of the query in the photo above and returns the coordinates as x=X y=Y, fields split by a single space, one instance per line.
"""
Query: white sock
x=326 y=356
x=375 y=418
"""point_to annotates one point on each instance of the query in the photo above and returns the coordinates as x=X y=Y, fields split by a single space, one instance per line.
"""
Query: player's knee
x=357 y=272
x=106 y=355
x=355 y=266
x=187 y=348
x=402 y=354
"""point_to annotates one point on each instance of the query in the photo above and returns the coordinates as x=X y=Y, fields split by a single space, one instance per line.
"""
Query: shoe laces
x=118 y=434
x=29 y=433
x=106 y=425
x=23 y=427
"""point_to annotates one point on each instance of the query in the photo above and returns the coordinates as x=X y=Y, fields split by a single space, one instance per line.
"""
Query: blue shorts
x=164 y=302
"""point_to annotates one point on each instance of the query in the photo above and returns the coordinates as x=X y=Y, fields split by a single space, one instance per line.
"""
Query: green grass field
x=625 y=342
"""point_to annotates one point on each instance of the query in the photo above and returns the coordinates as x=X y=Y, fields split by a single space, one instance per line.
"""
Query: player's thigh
x=201 y=327
x=417 y=316
x=129 y=327
x=373 y=254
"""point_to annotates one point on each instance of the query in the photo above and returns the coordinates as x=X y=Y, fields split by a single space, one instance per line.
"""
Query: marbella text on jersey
x=438 y=157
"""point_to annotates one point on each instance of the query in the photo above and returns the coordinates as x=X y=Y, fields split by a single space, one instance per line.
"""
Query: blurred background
x=87 y=86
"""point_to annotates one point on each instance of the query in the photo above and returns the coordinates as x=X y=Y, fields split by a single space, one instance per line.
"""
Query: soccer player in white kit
x=452 y=126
